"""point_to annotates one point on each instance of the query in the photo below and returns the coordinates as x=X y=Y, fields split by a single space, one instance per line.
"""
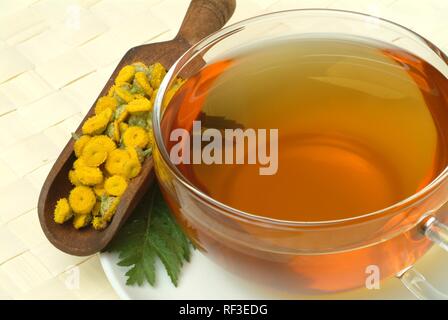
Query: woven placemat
x=55 y=56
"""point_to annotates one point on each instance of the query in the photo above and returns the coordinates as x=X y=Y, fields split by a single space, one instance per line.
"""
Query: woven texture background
x=55 y=57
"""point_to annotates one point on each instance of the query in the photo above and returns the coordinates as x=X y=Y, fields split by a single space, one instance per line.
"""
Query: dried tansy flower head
x=82 y=199
x=89 y=176
x=104 y=103
x=80 y=143
x=104 y=142
x=123 y=94
x=142 y=84
x=115 y=185
x=125 y=75
x=73 y=177
x=62 y=212
x=113 y=145
x=98 y=123
x=136 y=137
x=99 y=190
x=96 y=150
x=81 y=220
x=116 y=161
x=139 y=105
x=132 y=168
x=94 y=156
x=78 y=163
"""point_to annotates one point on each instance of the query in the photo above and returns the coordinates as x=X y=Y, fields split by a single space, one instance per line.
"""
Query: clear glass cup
x=326 y=256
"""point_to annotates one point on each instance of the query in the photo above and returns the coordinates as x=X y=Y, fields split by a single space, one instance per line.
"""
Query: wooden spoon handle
x=204 y=17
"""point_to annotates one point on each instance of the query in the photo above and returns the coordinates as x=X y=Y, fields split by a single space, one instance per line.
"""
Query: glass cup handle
x=437 y=232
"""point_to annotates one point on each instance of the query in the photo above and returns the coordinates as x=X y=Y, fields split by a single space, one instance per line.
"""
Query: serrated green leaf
x=149 y=233
x=135 y=276
x=181 y=239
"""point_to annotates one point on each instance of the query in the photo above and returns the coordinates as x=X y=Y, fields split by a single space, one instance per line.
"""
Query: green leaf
x=150 y=233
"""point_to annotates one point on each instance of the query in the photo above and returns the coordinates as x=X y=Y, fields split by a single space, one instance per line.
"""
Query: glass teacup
x=323 y=256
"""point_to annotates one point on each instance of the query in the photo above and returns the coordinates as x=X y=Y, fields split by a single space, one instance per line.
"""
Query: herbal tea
x=355 y=118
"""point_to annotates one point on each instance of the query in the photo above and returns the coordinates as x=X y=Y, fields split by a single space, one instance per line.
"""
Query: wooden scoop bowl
x=203 y=17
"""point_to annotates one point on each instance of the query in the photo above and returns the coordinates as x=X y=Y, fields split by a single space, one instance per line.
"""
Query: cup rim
x=229 y=210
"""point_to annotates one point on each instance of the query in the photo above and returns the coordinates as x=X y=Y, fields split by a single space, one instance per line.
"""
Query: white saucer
x=202 y=279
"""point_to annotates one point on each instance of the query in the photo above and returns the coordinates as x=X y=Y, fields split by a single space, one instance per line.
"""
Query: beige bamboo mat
x=55 y=56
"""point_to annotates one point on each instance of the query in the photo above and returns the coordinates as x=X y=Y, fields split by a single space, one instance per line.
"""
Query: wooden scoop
x=203 y=17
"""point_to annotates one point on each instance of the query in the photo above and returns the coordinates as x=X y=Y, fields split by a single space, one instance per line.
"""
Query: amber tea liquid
x=356 y=124
x=362 y=125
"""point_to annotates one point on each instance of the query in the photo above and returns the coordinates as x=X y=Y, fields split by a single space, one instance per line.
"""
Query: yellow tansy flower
x=73 y=177
x=123 y=116
x=132 y=168
x=96 y=150
x=151 y=139
x=99 y=189
x=115 y=185
x=81 y=220
x=142 y=82
x=98 y=223
x=125 y=75
x=139 y=105
x=123 y=127
x=98 y=123
x=138 y=96
x=93 y=156
x=157 y=73
x=104 y=103
x=138 y=154
x=80 y=144
x=153 y=97
x=133 y=154
x=117 y=131
x=111 y=91
x=116 y=161
x=105 y=142
x=89 y=176
x=81 y=200
x=123 y=94
x=135 y=137
x=79 y=163
x=62 y=212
